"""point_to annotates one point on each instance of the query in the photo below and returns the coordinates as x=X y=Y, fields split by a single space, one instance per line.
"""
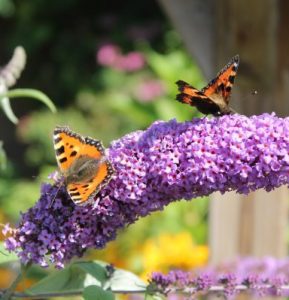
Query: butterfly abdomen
x=82 y=170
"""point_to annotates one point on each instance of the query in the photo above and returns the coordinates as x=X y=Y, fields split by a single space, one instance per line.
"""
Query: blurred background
x=110 y=68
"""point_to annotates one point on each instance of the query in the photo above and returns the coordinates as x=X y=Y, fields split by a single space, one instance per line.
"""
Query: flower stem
x=214 y=289
x=65 y=294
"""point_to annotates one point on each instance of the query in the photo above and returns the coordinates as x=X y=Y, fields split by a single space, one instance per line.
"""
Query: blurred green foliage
x=7 y=8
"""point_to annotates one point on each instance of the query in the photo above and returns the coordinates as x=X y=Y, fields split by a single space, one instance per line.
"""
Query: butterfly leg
x=53 y=199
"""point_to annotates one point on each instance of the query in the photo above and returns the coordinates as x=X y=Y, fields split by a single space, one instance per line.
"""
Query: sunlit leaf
x=122 y=280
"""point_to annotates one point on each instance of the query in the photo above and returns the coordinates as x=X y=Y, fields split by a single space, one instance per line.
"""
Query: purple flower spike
x=229 y=279
x=167 y=162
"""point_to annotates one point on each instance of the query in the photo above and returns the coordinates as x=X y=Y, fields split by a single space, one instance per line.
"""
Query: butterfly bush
x=167 y=162
x=266 y=276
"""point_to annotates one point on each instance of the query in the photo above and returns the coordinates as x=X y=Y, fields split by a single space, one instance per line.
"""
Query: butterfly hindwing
x=82 y=193
x=194 y=97
x=223 y=82
x=75 y=153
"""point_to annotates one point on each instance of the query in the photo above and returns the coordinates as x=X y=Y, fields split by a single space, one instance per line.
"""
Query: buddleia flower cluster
x=167 y=162
x=263 y=277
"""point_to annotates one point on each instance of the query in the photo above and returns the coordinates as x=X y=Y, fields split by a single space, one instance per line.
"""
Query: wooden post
x=250 y=28
x=257 y=30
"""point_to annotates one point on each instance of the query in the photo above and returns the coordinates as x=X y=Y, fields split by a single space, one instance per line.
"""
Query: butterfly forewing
x=224 y=80
x=69 y=146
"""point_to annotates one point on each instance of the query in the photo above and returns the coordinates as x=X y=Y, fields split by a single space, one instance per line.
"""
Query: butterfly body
x=213 y=98
x=83 y=164
x=82 y=170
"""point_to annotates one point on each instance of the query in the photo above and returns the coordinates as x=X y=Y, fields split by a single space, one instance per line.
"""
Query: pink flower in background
x=133 y=61
x=110 y=55
x=149 y=90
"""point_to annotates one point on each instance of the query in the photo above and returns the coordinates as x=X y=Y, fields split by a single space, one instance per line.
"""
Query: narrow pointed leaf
x=31 y=93
x=5 y=104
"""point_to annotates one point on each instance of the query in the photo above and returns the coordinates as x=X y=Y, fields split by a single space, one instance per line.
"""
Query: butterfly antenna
x=59 y=187
x=232 y=111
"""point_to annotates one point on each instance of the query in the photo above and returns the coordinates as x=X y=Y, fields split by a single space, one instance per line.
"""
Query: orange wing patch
x=83 y=164
x=69 y=146
x=214 y=98
x=194 y=97
x=224 y=80
x=80 y=193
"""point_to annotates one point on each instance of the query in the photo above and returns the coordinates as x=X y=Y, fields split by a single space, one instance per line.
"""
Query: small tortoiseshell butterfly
x=83 y=164
x=213 y=98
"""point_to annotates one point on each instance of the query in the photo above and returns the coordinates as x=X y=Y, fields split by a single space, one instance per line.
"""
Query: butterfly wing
x=70 y=146
x=83 y=193
x=222 y=84
x=194 y=97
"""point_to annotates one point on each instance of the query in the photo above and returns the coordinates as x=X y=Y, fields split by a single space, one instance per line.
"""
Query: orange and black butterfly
x=83 y=164
x=213 y=98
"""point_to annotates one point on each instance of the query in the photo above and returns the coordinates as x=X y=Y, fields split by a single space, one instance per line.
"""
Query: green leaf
x=94 y=269
x=5 y=103
x=71 y=279
x=85 y=274
x=54 y=282
x=31 y=93
x=67 y=279
x=93 y=292
x=126 y=281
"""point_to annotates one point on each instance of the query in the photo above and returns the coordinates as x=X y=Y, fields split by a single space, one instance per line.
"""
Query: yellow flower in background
x=161 y=253
x=169 y=251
